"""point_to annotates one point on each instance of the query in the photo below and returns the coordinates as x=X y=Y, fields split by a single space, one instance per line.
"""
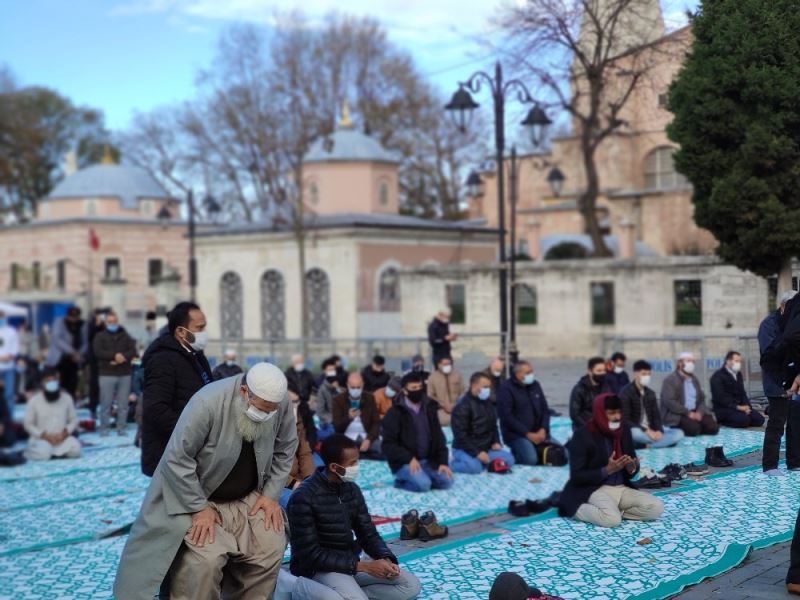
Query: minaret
x=641 y=22
x=345 y=122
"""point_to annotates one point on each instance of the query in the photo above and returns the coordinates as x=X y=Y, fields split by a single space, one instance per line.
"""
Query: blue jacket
x=768 y=333
x=616 y=382
x=522 y=409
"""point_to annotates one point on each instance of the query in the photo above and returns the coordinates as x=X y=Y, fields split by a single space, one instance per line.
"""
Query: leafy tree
x=738 y=126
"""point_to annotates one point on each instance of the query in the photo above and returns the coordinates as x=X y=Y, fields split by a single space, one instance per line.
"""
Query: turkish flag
x=94 y=241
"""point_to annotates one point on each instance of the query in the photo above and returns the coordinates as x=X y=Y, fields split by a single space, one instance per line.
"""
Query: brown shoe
x=410 y=525
x=793 y=588
x=429 y=528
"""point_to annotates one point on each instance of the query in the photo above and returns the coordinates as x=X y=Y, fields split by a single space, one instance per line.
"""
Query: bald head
x=355 y=385
x=498 y=366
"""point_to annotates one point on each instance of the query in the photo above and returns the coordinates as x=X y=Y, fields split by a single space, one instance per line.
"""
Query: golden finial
x=108 y=158
x=345 y=121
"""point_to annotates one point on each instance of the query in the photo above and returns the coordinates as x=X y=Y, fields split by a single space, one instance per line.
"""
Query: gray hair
x=785 y=297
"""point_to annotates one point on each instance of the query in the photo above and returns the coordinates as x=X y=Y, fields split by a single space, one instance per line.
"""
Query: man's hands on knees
x=273 y=516
x=382 y=569
x=203 y=524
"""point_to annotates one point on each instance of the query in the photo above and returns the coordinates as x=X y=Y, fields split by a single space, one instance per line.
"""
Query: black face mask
x=415 y=396
x=418 y=368
x=331 y=378
x=599 y=379
x=52 y=396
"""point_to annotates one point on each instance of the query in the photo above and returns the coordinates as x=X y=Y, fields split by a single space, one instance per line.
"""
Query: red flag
x=94 y=241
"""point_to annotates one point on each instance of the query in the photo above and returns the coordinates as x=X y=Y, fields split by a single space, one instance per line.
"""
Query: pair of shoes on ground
x=676 y=472
x=715 y=457
x=519 y=508
x=424 y=528
x=650 y=480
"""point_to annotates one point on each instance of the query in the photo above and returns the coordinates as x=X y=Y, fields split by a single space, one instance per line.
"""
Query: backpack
x=552 y=455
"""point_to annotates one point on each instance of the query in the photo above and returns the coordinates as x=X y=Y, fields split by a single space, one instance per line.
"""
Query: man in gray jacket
x=212 y=510
x=683 y=402
x=114 y=350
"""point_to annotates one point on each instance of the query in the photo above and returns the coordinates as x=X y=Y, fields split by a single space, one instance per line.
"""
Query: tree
x=737 y=123
x=38 y=127
x=590 y=56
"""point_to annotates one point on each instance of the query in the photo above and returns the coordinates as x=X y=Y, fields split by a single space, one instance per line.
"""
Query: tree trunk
x=588 y=203
x=785 y=277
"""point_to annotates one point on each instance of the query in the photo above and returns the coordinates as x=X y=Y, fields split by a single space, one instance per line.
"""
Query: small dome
x=127 y=183
x=346 y=144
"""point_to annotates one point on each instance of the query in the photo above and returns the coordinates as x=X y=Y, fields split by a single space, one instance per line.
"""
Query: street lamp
x=461 y=107
x=476 y=187
x=556 y=180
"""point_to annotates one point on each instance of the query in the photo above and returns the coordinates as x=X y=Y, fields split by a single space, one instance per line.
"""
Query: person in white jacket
x=51 y=421
x=9 y=349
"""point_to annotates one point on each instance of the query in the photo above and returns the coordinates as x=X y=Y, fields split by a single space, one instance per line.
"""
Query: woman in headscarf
x=602 y=463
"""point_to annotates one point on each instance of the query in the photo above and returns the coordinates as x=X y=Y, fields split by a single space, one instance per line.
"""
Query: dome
x=346 y=144
x=127 y=183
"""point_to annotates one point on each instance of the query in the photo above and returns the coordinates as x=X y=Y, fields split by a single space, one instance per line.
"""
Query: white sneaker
x=775 y=473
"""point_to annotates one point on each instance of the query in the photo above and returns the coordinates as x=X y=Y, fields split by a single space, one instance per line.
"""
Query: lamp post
x=461 y=107
x=192 y=259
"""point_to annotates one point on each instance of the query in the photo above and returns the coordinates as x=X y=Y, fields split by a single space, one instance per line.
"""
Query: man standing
x=439 y=336
x=496 y=373
x=51 y=421
x=114 y=350
x=228 y=366
x=586 y=390
x=212 y=510
x=301 y=381
x=413 y=440
x=445 y=387
x=9 y=348
x=328 y=390
x=69 y=344
x=616 y=377
x=476 y=439
x=524 y=414
x=683 y=402
x=729 y=398
x=780 y=407
x=174 y=369
x=355 y=415
x=375 y=375
x=640 y=411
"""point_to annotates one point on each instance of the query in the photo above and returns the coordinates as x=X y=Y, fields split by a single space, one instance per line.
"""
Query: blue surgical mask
x=355 y=393
x=390 y=393
x=112 y=328
x=3 y=322
x=52 y=386
x=529 y=379
x=484 y=393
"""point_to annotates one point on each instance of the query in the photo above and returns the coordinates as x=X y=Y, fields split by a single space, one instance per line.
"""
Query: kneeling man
x=212 y=507
x=602 y=463
x=51 y=421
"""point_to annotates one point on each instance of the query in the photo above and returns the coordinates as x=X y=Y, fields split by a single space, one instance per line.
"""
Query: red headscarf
x=599 y=423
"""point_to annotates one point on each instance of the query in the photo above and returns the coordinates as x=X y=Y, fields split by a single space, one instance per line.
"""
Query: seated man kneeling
x=51 y=421
x=602 y=463
x=325 y=513
x=729 y=398
x=641 y=414
x=476 y=438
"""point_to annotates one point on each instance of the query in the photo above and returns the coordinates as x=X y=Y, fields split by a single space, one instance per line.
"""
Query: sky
x=124 y=56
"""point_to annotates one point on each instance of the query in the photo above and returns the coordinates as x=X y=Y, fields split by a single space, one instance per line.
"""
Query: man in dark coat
x=413 y=440
x=355 y=415
x=228 y=367
x=301 y=378
x=683 y=402
x=325 y=514
x=524 y=415
x=114 y=350
x=602 y=465
x=729 y=398
x=375 y=375
x=641 y=414
x=586 y=390
x=616 y=375
x=174 y=369
x=439 y=336
x=476 y=439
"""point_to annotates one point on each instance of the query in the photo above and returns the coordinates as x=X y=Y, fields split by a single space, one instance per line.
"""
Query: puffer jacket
x=474 y=425
x=323 y=517
x=581 y=400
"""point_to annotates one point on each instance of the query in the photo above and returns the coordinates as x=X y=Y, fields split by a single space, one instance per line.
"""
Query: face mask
x=599 y=379
x=619 y=370
x=614 y=425
x=390 y=393
x=112 y=328
x=259 y=416
x=417 y=368
x=230 y=363
x=200 y=340
x=645 y=380
x=484 y=393
x=529 y=379
x=497 y=373
x=688 y=368
x=329 y=374
x=447 y=369
x=736 y=367
x=350 y=474
x=355 y=393
x=299 y=368
x=52 y=386
x=415 y=396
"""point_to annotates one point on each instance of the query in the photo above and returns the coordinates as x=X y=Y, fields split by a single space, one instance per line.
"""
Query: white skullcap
x=230 y=351
x=267 y=382
x=786 y=296
x=685 y=355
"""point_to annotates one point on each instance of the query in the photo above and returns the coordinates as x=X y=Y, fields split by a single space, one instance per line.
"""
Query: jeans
x=671 y=437
x=465 y=463
x=424 y=480
x=339 y=586
x=525 y=452
x=9 y=389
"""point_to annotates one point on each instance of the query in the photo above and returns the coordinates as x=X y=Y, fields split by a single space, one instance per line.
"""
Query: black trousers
x=783 y=413
x=707 y=426
x=730 y=417
x=68 y=374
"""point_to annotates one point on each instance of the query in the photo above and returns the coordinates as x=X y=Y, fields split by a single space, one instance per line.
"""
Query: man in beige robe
x=213 y=500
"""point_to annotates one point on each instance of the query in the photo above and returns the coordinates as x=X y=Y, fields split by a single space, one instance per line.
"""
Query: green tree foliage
x=737 y=120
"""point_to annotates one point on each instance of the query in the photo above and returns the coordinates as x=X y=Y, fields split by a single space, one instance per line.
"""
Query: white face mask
x=497 y=373
x=300 y=368
x=200 y=340
x=330 y=373
x=688 y=368
x=736 y=367
x=230 y=363
x=528 y=379
x=447 y=369
x=645 y=380
x=259 y=416
x=350 y=474
x=618 y=370
x=614 y=425
x=390 y=393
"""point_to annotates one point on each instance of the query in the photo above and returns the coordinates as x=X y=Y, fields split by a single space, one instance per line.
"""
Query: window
x=61 y=274
x=147 y=207
x=36 y=274
x=14 y=285
x=273 y=303
x=319 y=310
x=457 y=302
x=91 y=207
x=663 y=100
x=313 y=194
x=383 y=194
x=660 y=173
x=155 y=271
x=389 y=291
x=526 y=305
x=112 y=270
x=231 y=310
x=602 y=303
x=689 y=302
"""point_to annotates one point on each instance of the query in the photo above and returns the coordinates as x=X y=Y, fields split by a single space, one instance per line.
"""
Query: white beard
x=249 y=429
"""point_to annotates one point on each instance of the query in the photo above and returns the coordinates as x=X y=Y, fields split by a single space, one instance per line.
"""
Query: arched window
x=273 y=306
x=566 y=251
x=383 y=194
x=319 y=309
x=231 y=310
x=659 y=170
x=527 y=310
x=389 y=290
x=313 y=194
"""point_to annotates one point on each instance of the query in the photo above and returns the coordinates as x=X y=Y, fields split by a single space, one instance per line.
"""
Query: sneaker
x=429 y=528
x=652 y=483
x=409 y=529
x=674 y=472
x=693 y=469
x=774 y=473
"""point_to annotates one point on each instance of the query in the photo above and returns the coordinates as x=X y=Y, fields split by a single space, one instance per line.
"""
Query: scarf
x=599 y=424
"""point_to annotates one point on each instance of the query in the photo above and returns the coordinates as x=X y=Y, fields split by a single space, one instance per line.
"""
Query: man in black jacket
x=413 y=440
x=524 y=414
x=476 y=439
x=439 y=336
x=583 y=394
x=729 y=398
x=174 y=369
x=228 y=367
x=113 y=351
x=602 y=464
x=375 y=375
x=641 y=414
x=325 y=513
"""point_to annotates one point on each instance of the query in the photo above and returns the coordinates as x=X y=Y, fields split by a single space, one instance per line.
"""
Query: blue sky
x=123 y=56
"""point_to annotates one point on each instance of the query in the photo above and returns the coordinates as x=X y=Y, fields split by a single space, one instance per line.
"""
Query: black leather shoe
x=716 y=458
